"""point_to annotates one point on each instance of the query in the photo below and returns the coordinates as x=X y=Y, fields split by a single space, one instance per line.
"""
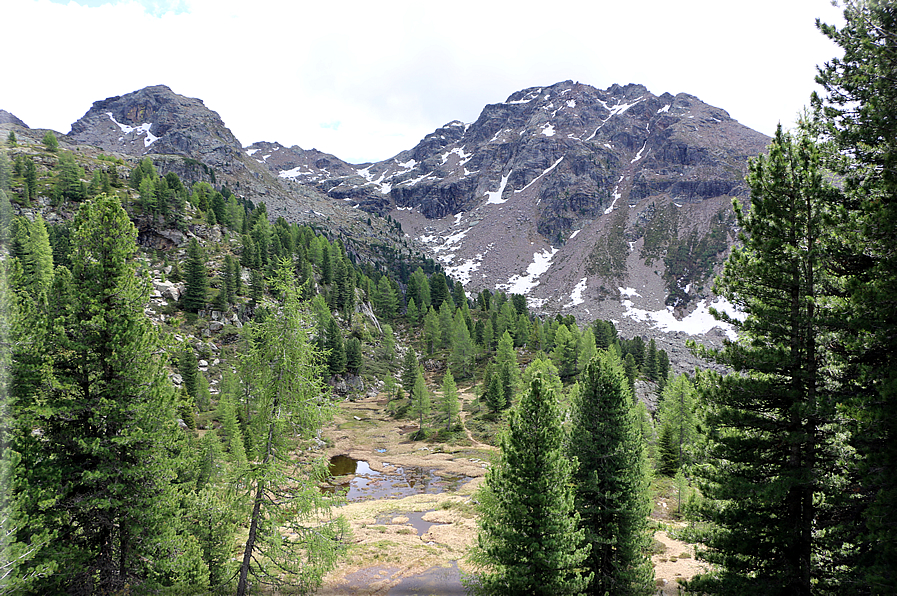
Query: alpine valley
x=612 y=204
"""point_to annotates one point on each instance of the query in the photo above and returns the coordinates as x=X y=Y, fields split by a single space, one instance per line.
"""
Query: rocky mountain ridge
x=611 y=203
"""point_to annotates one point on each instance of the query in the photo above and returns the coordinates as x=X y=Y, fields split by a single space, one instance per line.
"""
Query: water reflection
x=392 y=483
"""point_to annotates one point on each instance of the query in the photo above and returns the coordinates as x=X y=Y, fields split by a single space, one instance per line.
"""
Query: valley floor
x=411 y=509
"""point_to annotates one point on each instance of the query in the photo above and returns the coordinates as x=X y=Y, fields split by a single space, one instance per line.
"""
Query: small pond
x=394 y=482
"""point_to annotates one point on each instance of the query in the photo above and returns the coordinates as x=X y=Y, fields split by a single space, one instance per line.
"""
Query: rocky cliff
x=613 y=203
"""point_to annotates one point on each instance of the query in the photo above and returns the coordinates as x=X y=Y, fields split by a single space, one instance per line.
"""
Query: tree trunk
x=250 y=541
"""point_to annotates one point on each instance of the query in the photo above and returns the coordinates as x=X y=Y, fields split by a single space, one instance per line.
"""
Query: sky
x=364 y=80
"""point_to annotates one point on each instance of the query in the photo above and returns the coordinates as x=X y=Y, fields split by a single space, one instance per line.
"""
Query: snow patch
x=571 y=103
x=573 y=235
x=638 y=155
x=576 y=294
x=139 y=130
x=617 y=195
x=548 y=129
x=546 y=171
x=665 y=108
x=494 y=197
x=251 y=152
x=293 y=173
x=463 y=271
x=459 y=151
x=698 y=322
x=630 y=292
x=522 y=284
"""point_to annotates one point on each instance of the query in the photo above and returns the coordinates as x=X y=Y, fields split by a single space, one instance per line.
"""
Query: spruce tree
x=611 y=481
x=529 y=541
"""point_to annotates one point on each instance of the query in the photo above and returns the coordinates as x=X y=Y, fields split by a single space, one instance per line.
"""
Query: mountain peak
x=9 y=118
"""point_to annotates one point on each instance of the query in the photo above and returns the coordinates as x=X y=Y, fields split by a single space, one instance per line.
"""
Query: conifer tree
x=766 y=418
x=389 y=342
x=385 y=302
x=103 y=404
x=611 y=481
x=409 y=370
x=353 y=355
x=50 y=142
x=420 y=399
x=336 y=347
x=493 y=389
x=439 y=290
x=412 y=314
x=857 y=112
x=196 y=281
x=676 y=413
x=462 y=345
x=445 y=324
x=506 y=368
x=667 y=451
x=189 y=370
x=449 y=403
x=528 y=540
x=289 y=542
x=431 y=330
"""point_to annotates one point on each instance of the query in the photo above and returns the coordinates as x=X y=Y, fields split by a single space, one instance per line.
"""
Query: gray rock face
x=8 y=118
x=565 y=193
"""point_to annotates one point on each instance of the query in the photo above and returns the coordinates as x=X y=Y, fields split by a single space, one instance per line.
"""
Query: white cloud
x=389 y=75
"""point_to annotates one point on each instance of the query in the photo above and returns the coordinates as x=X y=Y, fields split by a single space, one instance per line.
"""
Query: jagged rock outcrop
x=8 y=118
x=566 y=194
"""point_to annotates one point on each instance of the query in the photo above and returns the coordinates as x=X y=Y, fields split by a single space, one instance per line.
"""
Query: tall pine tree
x=101 y=409
x=611 y=481
x=858 y=112
x=290 y=541
x=766 y=418
x=529 y=541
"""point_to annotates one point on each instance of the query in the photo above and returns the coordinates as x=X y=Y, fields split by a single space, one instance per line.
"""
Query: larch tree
x=677 y=416
x=766 y=418
x=529 y=541
x=449 y=402
x=292 y=541
x=420 y=399
x=611 y=480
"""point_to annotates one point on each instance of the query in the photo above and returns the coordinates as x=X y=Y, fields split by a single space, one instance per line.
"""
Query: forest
x=138 y=456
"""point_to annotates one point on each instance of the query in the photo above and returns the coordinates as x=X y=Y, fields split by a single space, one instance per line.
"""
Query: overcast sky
x=365 y=80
